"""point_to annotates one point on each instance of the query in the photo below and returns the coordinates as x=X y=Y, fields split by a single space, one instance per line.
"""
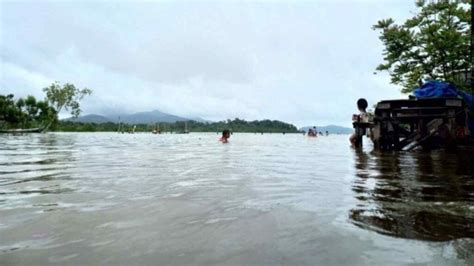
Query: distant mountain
x=147 y=118
x=90 y=119
x=136 y=118
x=332 y=129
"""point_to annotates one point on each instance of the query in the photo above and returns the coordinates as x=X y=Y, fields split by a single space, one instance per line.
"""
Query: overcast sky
x=302 y=62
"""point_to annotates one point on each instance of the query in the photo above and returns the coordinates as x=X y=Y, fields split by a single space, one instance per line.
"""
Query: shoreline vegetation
x=236 y=125
x=25 y=114
x=31 y=115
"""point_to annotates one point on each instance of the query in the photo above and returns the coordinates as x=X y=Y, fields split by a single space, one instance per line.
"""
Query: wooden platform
x=414 y=123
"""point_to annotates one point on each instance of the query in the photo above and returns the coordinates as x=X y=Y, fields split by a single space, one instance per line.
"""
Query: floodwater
x=272 y=199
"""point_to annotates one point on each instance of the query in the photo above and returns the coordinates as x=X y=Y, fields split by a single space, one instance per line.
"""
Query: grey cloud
x=294 y=61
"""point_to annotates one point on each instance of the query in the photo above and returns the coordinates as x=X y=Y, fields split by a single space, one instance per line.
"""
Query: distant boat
x=20 y=131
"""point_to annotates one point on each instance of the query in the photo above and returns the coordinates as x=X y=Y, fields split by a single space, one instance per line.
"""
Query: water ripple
x=78 y=198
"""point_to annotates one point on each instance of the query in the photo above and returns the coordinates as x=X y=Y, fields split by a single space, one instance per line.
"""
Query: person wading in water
x=225 y=136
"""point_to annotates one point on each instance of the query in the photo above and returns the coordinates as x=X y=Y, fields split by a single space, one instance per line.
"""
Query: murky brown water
x=428 y=196
x=98 y=199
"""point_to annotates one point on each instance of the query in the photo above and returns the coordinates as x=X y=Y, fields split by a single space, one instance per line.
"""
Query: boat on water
x=21 y=131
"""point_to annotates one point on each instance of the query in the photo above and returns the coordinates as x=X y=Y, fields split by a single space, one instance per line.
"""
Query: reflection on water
x=26 y=161
x=143 y=199
x=425 y=196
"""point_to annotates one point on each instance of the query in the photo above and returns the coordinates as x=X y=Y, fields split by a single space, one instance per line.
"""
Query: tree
x=24 y=112
x=67 y=97
x=30 y=113
x=434 y=44
x=9 y=112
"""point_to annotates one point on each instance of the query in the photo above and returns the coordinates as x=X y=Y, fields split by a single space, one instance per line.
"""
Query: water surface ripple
x=143 y=199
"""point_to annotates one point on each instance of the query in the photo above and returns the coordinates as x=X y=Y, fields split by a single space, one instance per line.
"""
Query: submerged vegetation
x=236 y=125
x=29 y=112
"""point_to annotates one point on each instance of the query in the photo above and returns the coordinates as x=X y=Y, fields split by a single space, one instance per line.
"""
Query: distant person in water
x=362 y=117
x=327 y=133
x=312 y=132
x=225 y=136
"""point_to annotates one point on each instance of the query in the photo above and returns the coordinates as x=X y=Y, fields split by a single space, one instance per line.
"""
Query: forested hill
x=236 y=125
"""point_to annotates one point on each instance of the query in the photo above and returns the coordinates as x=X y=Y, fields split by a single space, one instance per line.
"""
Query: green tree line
x=236 y=125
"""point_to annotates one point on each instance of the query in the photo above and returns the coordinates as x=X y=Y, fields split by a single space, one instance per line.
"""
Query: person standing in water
x=362 y=117
x=225 y=136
